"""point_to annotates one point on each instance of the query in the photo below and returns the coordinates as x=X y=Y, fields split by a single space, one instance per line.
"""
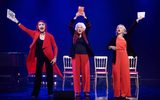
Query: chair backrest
x=67 y=62
x=100 y=63
x=132 y=63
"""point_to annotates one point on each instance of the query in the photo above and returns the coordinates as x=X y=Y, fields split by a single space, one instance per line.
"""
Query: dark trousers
x=41 y=59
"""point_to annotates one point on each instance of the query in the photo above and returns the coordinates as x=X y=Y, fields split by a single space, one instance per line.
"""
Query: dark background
x=104 y=16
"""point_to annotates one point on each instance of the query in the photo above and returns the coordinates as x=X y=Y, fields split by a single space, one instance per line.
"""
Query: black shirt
x=80 y=46
x=39 y=50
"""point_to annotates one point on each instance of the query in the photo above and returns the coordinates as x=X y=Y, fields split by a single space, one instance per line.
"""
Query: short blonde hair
x=80 y=23
x=124 y=28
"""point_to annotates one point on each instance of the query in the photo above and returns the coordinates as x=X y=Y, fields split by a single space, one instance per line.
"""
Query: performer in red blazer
x=43 y=52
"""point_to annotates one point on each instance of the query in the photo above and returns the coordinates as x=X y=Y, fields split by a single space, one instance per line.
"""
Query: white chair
x=134 y=73
x=100 y=63
x=67 y=64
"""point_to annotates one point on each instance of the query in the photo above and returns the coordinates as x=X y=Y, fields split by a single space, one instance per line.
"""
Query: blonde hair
x=124 y=28
x=80 y=23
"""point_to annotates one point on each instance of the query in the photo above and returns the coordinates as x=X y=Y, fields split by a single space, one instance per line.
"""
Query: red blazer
x=48 y=43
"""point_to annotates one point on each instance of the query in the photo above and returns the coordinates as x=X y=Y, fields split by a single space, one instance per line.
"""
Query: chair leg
x=135 y=80
x=95 y=85
x=107 y=85
x=137 y=83
x=137 y=87
x=63 y=83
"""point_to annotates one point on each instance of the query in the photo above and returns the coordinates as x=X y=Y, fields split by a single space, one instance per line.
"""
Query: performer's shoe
x=125 y=98
x=50 y=95
x=117 y=98
x=86 y=94
x=77 y=94
x=34 y=97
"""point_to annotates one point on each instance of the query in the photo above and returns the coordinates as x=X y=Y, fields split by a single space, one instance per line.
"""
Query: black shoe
x=86 y=94
x=77 y=98
x=50 y=96
x=50 y=93
x=125 y=98
x=34 y=97
x=117 y=98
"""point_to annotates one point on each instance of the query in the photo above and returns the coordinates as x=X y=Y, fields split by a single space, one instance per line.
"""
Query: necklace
x=80 y=36
x=42 y=36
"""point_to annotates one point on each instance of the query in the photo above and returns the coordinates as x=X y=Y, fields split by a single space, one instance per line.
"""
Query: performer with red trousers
x=80 y=53
x=120 y=65
x=43 y=54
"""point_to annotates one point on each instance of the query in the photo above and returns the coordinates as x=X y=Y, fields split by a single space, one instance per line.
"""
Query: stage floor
x=149 y=90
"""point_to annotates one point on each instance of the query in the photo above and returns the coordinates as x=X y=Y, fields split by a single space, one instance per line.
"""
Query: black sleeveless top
x=39 y=50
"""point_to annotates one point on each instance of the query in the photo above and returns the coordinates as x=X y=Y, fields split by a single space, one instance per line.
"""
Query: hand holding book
x=140 y=15
x=80 y=10
x=11 y=15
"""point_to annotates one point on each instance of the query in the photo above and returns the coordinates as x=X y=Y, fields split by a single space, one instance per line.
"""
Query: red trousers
x=121 y=75
x=81 y=66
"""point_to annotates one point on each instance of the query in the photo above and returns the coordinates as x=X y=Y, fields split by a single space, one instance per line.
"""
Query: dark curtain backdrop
x=104 y=16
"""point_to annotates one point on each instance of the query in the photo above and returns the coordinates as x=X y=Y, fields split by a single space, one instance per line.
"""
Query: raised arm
x=71 y=26
x=30 y=32
x=131 y=29
x=87 y=23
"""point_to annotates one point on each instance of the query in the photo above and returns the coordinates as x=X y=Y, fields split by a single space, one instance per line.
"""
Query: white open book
x=140 y=15
x=80 y=9
x=10 y=15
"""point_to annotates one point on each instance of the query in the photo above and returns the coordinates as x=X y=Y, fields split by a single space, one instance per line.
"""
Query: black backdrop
x=104 y=16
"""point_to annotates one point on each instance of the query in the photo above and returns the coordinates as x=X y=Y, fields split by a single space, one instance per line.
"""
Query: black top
x=39 y=50
x=127 y=36
x=80 y=47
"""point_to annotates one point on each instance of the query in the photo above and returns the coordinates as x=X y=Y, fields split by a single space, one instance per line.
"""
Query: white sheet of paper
x=10 y=14
x=141 y=14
